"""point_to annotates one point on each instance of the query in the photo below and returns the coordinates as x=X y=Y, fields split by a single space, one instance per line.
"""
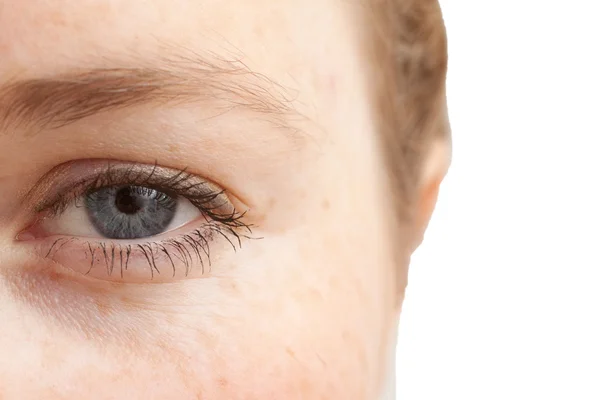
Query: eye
x=124 y=212
x=132 y=222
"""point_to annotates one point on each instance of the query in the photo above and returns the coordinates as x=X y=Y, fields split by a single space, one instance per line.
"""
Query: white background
x=504 y=295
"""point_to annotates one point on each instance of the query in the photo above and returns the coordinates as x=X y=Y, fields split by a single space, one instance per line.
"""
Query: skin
x=307 y=312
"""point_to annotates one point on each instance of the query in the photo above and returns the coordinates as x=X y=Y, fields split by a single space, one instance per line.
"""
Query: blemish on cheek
x=229 y=286
x=54 y=276
x=332 y=84
x=259 y=31
x=326 y=84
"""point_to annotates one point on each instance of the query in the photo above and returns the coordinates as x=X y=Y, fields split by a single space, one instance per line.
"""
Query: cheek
x=281 y=332
x=287 y=336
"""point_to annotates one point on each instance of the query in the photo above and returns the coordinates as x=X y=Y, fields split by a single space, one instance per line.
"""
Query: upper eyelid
x=101 y=173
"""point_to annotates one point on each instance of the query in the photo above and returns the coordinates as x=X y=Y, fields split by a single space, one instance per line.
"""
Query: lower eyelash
x=183 y=250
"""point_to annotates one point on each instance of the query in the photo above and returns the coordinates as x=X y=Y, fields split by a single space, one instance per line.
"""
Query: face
x=191 y=202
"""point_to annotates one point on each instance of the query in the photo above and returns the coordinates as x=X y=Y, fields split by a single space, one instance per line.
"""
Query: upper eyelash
x=180 y=183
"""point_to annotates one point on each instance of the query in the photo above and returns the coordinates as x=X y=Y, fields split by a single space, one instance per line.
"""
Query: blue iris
x=130 y=212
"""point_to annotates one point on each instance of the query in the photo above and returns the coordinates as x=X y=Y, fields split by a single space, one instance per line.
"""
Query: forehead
x=299 y=46
x=61 y=27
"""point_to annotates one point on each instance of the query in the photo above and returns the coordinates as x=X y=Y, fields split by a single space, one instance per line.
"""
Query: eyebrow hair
x=57 y=101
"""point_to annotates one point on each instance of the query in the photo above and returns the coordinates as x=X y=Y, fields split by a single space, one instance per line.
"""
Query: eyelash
x=229 y=225
x=184 y=248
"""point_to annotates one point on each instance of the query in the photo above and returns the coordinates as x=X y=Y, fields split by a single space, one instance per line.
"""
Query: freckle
x=103 y=308
x=258 y=30
x=271 y=202
x=97 y=291
x=290 y=352
x=169 y=319
x=325 y=204
x=172 y=148
x=233 y=287
x=228 y=286
x=223 y=382
x=125 y=299
x=54 y=276
x=57 y=18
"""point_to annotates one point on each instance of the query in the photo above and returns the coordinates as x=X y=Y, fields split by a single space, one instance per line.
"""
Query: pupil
x=127 y=202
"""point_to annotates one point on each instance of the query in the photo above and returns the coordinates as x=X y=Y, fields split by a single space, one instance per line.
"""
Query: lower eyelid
x=186 y=256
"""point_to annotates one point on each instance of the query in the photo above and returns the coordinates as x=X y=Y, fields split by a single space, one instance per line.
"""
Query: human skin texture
x=269 y=101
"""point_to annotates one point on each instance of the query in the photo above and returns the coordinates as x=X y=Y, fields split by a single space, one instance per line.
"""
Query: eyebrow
x=57 y=101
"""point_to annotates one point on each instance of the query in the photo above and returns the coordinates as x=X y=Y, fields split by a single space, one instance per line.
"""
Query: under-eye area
x=133 y=222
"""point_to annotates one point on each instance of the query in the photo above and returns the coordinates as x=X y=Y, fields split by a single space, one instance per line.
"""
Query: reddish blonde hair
x=410 y=53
